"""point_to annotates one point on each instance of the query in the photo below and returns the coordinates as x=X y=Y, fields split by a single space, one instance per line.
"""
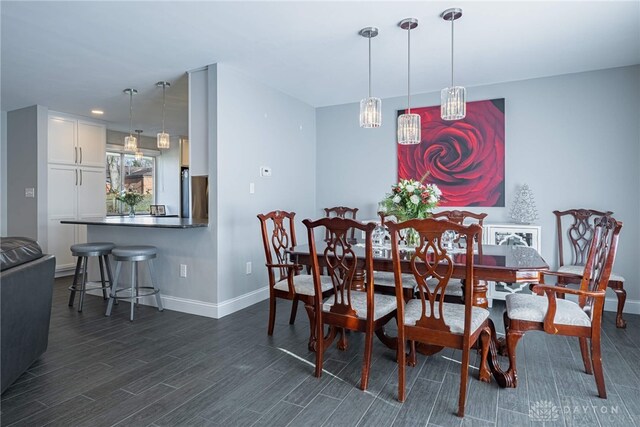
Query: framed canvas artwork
x=465 y=158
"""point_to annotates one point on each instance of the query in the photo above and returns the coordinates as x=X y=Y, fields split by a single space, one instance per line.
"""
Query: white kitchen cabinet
x=76 y=182
x=510 y=234
x=76 y=142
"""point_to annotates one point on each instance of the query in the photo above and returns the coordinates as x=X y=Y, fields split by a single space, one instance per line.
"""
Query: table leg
x=358 y=280
x=480 y=293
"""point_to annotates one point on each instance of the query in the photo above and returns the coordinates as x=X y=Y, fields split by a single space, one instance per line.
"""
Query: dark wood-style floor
x=175 y=369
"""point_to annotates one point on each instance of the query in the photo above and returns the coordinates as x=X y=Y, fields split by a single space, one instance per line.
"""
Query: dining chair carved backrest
x=363 y=311
x=547 y=312
x=575 y=229
x=429 y=319
x=285 y=280
x=455 y=288
x=341 y=212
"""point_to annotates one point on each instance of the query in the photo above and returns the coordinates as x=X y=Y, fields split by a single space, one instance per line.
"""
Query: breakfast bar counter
x=142 y=221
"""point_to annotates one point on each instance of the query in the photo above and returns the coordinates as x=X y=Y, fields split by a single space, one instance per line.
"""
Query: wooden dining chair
x=285 y=280
x=455 y=288
x=577 y=231
x=429 y=319
x=342 y=212
x=557 y=316
x=362 y=311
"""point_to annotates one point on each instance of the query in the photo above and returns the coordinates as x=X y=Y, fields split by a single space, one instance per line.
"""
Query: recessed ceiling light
x=97 y=112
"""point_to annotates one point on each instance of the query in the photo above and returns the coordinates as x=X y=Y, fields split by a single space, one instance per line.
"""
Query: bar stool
x=83 y=251
x=133 y=254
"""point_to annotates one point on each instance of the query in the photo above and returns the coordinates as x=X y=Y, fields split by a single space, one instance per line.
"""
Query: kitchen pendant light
x=138 y=156
x=453 y=99
x=163 y=137
x=130 y=142
x=370 y=107
x=409 y=124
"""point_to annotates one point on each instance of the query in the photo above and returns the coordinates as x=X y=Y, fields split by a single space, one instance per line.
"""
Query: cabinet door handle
x=80 y=159
x=81 y=175
x=76 y=171
x=75 y=154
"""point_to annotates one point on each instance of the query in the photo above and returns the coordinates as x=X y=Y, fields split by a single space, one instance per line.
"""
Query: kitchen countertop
x=142 y=221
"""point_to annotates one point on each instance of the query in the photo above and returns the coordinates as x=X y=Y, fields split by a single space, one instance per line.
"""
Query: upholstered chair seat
x=578 y=269
x=453 y=315
x=383 y=304
x=303 y=284
x=533 y=308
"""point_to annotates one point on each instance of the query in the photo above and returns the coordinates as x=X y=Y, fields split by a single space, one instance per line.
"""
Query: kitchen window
x=125 y=173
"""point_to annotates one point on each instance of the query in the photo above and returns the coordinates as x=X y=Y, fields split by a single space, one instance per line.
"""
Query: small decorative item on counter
x=523 y=210
x=130 y=199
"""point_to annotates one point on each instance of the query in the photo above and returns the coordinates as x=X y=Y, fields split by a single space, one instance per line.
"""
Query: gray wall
x=258 y=126
x=249 y=125
x=573 y=138
x=26 y=147
x=3 y=173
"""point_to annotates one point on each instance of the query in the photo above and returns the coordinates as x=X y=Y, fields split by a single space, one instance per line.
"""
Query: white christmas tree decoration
x=523 y=210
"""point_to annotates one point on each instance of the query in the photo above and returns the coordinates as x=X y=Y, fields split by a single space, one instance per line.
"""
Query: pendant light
x=163 y=137
x=370 y=107
x=409 y=124
x=453 y=99
x=138 y=156
x=130 y=142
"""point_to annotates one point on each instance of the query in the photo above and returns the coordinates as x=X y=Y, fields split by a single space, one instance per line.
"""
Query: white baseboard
x=631 y=306
x=202 y=308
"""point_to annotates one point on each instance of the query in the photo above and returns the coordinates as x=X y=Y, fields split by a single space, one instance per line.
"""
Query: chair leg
x=412 y=354
x=366 y=363
x=596 y=359
x=464 y=379
x=319 y=347
x=402 y=362
x=294 y=310
x=272 y=314
x=312 y=326
x=72 y=295
x=484 y=373
x=621 y=294
x=584 y=350
x=512 y=342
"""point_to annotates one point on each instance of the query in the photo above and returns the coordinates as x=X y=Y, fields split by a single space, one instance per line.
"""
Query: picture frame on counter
x=157 y=210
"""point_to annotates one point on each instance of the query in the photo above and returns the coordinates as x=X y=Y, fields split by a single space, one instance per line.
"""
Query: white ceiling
x=75 y=56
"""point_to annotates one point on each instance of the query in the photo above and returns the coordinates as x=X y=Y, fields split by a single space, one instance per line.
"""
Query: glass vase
x=413 y=237
x=132 y=211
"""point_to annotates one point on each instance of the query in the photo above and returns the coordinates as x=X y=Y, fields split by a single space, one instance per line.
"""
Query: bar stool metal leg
x=85 y=261
x=114 y=287
x=134 y=287
x=152 y=275
x=107 y=265
x=104 y=284
x=72 y=295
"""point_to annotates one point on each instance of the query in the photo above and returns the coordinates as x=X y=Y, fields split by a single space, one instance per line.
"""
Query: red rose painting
x=464 y=158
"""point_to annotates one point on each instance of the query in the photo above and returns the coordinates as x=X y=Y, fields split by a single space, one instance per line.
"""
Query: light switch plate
x=265 y=171
x=252 y=188
x=30 y=192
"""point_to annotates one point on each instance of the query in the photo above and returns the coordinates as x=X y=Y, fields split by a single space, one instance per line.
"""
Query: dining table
x=500 y=263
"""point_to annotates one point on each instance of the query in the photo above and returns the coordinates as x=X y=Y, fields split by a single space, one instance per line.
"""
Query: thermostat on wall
x=265 y=171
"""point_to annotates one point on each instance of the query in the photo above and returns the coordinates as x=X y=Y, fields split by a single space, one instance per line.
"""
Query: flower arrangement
x=130 y=198
x=411 y=199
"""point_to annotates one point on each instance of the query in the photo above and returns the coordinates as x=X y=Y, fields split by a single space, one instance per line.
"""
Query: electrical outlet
x=183 y=270
x=249 y=267
x=30 y=192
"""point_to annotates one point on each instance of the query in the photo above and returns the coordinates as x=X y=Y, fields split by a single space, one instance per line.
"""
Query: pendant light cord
x=409 y=70
x=164 y=88
x=452 y=19
x=369 y=65
x=131 y=113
